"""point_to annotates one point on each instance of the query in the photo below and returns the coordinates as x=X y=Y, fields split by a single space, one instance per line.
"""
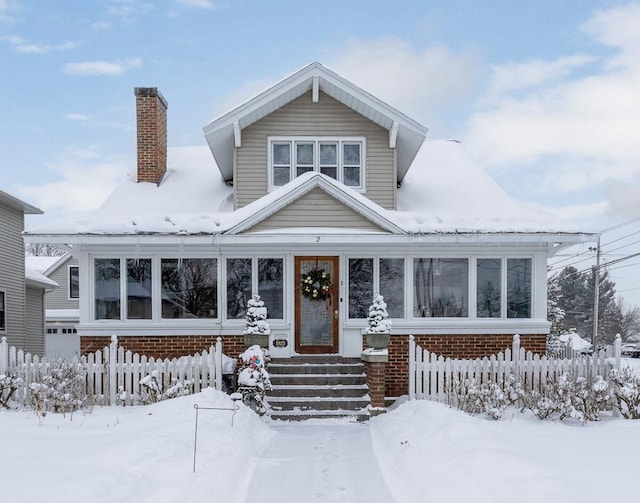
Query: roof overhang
x=18 y=204
x=224 y=133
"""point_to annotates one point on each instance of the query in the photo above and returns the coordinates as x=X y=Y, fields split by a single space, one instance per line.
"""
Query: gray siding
x=12 y=273
x=316 y=209
x=34 y=318
x=58 y=298
x=302 y=117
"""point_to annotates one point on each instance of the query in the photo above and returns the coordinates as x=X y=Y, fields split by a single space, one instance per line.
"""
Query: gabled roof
x=257 y=211
x=46 y=265
x=16 y=203
x=408 y=134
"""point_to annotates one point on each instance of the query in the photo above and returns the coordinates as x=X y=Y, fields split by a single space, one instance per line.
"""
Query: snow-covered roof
x=443 y=192
x=406 y=133
x=62 y=314
x=45 y=265
x=37 y=279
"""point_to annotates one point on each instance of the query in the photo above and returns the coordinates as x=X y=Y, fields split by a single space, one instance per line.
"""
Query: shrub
x=9 y=384
x=60 y=388
x=627 y=391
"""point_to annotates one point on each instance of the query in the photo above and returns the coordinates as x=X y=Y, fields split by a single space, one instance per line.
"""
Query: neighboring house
x=61 y=304
x=313 y=182
x=21 y=291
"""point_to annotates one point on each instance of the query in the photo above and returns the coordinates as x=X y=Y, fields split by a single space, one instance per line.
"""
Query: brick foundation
x=165 y=346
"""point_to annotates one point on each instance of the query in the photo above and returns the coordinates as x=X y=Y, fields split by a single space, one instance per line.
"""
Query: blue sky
x=543 y=94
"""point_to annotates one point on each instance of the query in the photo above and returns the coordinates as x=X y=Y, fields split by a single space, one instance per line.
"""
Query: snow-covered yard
x=419 y=451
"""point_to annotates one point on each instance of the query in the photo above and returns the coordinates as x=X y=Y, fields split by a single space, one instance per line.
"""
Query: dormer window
x=339 y=158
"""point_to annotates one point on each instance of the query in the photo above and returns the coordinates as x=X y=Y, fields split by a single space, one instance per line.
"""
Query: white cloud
x=78 y=117
x=197 y=4
x=21 y=45
x=578 y=122
x=128 y=8
x=83 y=180
x=416 y=81
x=101 y=67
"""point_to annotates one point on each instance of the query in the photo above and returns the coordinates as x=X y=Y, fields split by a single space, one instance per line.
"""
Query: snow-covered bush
x=377 y=322
x=151 y=389
x=256 y=319
x=253 y=378
x=559 y=397
x=626 y=391
x=59 y=388
x=9 y=384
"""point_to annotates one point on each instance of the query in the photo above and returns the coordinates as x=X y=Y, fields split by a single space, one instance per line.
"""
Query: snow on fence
x=113 y=375
x=429 y=373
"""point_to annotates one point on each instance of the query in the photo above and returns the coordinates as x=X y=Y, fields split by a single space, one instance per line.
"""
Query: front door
x=317 y=283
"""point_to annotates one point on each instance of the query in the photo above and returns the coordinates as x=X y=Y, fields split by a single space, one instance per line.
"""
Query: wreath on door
x=316 y=284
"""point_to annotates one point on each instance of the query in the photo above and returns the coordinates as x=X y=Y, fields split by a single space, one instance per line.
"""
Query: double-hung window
x=339 y=158
x=3 y=309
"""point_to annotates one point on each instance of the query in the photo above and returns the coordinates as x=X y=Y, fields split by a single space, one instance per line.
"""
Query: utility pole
x=596 y=296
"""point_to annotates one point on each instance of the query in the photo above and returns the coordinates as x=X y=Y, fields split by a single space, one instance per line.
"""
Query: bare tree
x=42 y=250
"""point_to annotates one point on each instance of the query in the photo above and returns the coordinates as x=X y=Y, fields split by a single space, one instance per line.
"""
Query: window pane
x=329 y=154
x=440 y=287
x=74 y=283
x=351 y=154
x=281 y=175
x=360 y=286
x=189 y=288
x=282 y=154
x=139 y=289
x=330 y=172
x=303 y=169
x=107 y=288
x=238 y=287
x=352 y=176
x=489 y=285
x=304 y=153
x=519 y=288
x=271 y=286
x=392 y=285
x=2 y=310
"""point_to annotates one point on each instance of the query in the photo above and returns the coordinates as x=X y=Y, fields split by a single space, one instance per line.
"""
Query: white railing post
x=4 y=355
x=412 y=368
x=617 y=351
x=515 y=357
x=218 y=363
x=113 y=358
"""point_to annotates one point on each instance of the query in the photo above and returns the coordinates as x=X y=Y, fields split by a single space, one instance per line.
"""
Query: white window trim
x=317 y=140
x=69 y=297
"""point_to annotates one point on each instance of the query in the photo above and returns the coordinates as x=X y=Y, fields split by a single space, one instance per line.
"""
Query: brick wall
x=151 y=118
x=454 y=346
x=165 y=346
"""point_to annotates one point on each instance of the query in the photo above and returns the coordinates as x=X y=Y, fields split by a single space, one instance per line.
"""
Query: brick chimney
x=151 y=117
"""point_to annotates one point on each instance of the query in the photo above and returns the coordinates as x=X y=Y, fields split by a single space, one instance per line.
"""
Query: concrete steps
x=318 y=387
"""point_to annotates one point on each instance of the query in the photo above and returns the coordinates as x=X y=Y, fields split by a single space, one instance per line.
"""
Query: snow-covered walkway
x=319 y=460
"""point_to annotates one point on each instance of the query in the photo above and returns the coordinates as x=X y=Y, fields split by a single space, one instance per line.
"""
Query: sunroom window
x=339 y=158
x=263 y=276
x=441 y=287
x=107 y=288
x=519 y=287
x=139 y=289
x=189 y=288
x=383 y=275
x=489 y=288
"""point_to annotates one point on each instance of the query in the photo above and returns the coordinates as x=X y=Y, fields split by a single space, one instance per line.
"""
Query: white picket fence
x=113 y=375
x=429 y=373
